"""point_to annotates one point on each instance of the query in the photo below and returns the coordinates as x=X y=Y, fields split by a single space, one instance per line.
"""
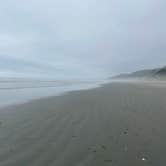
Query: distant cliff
x=159 y=73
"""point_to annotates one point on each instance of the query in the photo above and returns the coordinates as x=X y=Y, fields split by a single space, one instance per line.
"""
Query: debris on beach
x=103 y=147
x=126 y=131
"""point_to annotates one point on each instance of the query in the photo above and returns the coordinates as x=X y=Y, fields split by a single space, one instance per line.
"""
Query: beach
x=118 y=124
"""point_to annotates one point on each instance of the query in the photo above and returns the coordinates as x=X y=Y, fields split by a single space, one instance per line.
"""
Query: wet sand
x=119 y=124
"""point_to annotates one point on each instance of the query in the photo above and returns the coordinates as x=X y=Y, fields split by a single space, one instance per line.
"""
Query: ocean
x=18 y=90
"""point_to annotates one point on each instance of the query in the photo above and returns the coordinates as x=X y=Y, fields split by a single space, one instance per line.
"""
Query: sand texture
x=119 y=124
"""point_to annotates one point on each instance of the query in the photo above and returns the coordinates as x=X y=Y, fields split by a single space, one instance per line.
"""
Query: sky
x=81 y=38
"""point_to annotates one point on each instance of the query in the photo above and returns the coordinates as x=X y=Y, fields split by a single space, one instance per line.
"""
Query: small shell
x=144 y=159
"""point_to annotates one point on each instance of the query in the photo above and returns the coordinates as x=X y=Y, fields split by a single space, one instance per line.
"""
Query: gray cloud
x=90 y=38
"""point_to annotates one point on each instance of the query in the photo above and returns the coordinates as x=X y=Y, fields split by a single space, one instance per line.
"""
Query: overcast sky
x=81 y=38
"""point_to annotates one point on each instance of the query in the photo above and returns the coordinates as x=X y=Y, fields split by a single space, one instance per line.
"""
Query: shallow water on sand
x=15 y=91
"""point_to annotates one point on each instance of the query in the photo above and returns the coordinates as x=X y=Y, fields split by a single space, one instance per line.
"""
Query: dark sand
x=120 y=124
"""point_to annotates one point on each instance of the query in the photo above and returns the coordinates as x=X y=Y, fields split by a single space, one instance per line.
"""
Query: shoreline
x=32 y=94
x=155 y=83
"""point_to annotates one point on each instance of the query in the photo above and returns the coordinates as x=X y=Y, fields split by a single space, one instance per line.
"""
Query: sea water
x=16 y=91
